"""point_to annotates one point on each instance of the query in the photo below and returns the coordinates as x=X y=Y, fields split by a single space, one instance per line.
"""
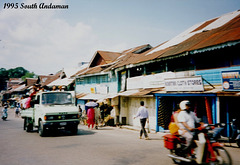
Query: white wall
x=86 y=88
x=129 y=107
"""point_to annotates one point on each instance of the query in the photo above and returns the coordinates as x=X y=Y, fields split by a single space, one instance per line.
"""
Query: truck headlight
x=75 y=116
x=48 y=117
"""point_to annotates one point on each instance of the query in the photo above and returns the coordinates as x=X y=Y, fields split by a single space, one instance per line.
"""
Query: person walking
x=91 y=117
x=143 y=115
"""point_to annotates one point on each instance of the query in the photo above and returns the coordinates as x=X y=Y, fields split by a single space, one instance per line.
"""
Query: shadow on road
x=60 y=133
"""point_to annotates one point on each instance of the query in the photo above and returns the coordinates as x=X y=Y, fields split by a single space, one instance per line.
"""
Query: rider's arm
x=186 y=126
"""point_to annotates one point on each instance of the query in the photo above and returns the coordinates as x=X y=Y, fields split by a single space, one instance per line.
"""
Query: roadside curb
x=159 y=134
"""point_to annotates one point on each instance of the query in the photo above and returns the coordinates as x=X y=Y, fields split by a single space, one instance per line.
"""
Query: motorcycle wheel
x=223 y=157
x=175 y=161
x=238 y=142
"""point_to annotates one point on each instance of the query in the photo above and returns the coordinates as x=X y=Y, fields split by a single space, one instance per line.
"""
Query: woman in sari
x=91 y=117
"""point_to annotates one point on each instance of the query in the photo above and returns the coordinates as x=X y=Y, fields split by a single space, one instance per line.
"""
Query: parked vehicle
x=202 y=151
x=4 y=113
x=51 y=111
x=234 y=131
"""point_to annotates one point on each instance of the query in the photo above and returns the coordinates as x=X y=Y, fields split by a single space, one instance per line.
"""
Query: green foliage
x=3 y=72
x=28 y=75
x=18 y=72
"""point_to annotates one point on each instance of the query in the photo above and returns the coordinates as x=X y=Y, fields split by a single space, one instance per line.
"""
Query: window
x=56 y=98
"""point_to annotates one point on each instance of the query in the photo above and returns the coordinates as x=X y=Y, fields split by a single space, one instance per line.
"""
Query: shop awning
x=92 y=96
x=208 y=91
x=139 y=92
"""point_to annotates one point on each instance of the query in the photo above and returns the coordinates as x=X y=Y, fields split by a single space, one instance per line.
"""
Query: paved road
x=106 y=146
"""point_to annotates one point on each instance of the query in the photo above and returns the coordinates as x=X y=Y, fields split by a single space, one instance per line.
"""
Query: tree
x=28 y=75
x=3 y=72
x=3 y=79
x=17 y=72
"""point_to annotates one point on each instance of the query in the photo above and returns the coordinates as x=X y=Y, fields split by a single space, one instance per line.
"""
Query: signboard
x=101 y=89
x=184 y=84
x=231 y=80
x=149 y=81
x=92 y=90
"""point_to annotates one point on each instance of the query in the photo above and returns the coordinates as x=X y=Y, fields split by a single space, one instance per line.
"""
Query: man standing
x=143 y=115
x=187 y=120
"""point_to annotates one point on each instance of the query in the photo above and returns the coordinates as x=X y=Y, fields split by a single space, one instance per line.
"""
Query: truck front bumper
x=62 y=124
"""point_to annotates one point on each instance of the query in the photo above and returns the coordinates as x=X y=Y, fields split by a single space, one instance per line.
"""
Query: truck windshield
x=58 y=98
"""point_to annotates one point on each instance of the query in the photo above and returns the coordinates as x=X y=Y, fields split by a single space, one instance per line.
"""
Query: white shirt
x=189 y=118
x=142 y=112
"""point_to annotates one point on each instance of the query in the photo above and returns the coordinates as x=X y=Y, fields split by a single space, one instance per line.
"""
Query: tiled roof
x=47 y=79
x=31 y=81
x=103 y=57
x=113 y=59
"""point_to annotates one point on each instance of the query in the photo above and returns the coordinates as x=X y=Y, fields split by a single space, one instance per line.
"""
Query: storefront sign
x=231 y=80
x=93 y=90
x=184 y=84
x=101 y=89
x=149 y=81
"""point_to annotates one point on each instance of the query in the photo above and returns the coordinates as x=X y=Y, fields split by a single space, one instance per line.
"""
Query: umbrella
x=91 y=104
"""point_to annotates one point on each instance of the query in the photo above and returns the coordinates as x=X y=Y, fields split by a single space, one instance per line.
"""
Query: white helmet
x=183 y=104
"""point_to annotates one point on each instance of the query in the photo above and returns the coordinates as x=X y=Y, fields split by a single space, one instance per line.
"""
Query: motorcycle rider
x=4 y=112
x=187 y=120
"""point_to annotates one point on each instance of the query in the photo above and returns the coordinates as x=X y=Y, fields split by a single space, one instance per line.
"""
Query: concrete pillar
x=217 y=110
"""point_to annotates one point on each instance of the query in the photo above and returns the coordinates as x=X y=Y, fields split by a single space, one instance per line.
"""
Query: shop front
x=203 y=104
x=230 y=99
x=204 y=100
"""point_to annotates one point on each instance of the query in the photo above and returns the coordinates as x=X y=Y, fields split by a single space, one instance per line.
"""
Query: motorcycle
x=235 y=133
x=4 y=113
x=203 y=150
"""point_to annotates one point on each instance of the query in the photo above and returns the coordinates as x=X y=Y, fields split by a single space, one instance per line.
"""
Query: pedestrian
x=143 y=115
x=102 y=113
x=97 y=116
x=91 y=117
x=17 y=110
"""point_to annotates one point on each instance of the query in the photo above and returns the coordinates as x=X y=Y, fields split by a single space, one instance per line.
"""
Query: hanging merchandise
x=164 y=112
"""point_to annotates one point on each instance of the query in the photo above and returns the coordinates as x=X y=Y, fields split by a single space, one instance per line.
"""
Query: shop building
x=200 y=54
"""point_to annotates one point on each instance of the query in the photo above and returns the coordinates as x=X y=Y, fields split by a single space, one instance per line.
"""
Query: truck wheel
x=24 y=124
x=27 y=125
x=41 y=129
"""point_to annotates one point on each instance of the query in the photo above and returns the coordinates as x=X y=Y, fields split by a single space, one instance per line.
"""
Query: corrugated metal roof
x=202 y=38
x=213 y=32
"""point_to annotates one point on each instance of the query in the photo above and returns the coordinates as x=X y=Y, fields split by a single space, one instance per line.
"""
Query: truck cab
x=51 y=111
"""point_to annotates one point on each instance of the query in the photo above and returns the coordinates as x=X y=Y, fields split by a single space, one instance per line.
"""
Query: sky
x=45 y=41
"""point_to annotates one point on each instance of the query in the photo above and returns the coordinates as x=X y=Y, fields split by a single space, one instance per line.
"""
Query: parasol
x=91 y=104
